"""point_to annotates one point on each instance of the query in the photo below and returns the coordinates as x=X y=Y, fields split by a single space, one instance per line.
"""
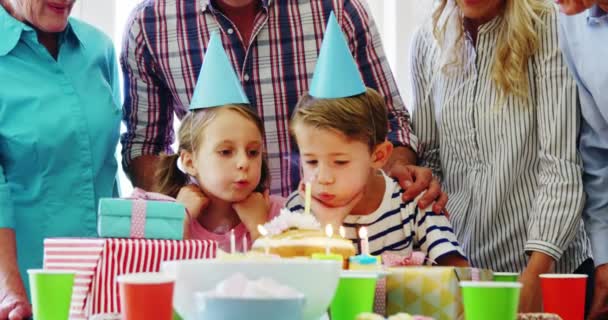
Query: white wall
x=397 y=21
x=99 y=13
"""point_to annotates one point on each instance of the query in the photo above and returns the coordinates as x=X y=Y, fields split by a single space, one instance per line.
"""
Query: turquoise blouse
x=59 y=129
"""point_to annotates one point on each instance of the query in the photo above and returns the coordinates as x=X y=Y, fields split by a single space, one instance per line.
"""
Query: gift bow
x=416 y=258
x=138 y=211
x=141 y=194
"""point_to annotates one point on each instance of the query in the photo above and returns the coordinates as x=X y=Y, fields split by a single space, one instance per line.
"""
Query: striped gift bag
x=98 y=262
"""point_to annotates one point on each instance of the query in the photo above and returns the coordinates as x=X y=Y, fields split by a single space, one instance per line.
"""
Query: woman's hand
x=253 y=211
x=193 y=198
x=13 y=300
x=531 y=295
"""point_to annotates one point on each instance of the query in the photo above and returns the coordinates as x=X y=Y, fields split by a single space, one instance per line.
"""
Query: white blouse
x=510 y=166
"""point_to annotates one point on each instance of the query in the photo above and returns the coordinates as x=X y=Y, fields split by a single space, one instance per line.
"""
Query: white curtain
x=397 y=21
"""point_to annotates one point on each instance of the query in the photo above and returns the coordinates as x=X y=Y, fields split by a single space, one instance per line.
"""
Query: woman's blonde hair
x=169 y=179
x=517 y=42
x=363 y=117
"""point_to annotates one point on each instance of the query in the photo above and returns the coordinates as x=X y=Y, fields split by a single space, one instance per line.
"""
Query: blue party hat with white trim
x=336 y=73
x=217 y=83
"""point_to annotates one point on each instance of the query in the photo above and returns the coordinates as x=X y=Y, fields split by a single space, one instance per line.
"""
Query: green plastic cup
x=355 y=295
x=490 y=300
x=51 y=293
x=506 y=276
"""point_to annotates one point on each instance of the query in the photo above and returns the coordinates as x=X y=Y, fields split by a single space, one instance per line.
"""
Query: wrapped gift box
x=146 y=215
x=98 y=262
x=431 y=291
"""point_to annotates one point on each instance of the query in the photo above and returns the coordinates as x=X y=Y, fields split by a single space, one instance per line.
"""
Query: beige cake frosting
x=293 y=234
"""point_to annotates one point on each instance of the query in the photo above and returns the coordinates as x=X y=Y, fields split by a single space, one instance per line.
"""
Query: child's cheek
x=308 y=173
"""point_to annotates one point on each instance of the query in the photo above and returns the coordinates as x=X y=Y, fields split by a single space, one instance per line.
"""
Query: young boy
x=341 y=129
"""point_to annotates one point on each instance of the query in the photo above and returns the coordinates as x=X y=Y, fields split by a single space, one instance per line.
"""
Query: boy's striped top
x=398 y=227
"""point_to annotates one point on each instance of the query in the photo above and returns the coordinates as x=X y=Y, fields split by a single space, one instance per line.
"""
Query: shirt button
x=246 y=77
x=230 y=31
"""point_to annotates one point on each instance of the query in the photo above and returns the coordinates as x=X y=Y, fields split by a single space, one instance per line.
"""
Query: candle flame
x=342 y=232
x=363 y=233
x=329 y=230
x=262 y=230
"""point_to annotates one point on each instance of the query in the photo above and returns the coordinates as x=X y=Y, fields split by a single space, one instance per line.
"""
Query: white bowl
x=316 y=279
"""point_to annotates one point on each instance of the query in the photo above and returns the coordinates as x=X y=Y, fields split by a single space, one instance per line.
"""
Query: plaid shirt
x=163 y=52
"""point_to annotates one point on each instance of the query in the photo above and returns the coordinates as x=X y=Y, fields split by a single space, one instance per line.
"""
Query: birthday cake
x=293 y=234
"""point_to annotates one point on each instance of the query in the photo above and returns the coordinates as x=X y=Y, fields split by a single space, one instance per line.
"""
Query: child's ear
x=381 y=154
x=188 y=163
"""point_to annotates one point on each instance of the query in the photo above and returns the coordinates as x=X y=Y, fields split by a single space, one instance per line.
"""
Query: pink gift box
x=98 y=262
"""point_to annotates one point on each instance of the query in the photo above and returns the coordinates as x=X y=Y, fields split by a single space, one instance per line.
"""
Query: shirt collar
x=491 y=25
x=73 y=32
x=596 y=15
x=207 y=5
x=12 y=29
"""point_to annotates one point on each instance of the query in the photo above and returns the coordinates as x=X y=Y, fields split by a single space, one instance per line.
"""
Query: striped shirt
x=512 y=171
x=164 y=48
x=398 y=227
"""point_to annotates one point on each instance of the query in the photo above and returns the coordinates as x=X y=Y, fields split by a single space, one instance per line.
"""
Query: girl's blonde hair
x=363 y=117
x=169 y=179
x=517 y=42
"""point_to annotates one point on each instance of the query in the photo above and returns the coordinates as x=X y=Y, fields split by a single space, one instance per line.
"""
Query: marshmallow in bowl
x=239 y=286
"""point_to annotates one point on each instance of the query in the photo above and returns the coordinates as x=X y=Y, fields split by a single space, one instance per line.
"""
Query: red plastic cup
x=564 y=295
x=145 y=296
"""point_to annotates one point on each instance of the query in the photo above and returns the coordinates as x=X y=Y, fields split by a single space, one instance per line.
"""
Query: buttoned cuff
x=545 y=247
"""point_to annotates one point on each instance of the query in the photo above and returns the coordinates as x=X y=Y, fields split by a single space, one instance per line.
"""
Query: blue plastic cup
x=211 y=308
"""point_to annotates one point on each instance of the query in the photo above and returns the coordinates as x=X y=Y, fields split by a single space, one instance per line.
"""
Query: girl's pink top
x=223 y=240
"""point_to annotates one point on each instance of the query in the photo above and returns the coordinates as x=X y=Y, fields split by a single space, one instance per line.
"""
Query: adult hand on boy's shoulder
x=253 y=211
x=416 y=180
x=193 y=198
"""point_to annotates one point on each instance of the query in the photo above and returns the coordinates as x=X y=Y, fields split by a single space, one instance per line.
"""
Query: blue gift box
x=139 y=218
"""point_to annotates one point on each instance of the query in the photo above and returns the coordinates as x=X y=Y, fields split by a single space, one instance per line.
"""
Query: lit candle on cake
x=232 y=242
x=307 y=197
x=263 y=232
x=329 y=232
x=364 y=241
x=364 y=261
x=342 y=232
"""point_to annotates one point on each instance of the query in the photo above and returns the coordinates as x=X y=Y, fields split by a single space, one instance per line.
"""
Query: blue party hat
x=217 y=83
x=336 y=73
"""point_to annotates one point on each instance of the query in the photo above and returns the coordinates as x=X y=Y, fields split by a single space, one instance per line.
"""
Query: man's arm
x=594 y=152
x=401 y=155
x=148 y=105
x=141 y=171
